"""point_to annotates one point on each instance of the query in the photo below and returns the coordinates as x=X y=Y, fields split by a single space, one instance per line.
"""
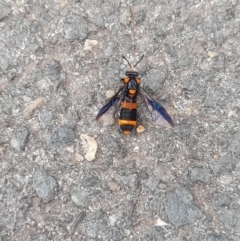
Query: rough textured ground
x=173 y=185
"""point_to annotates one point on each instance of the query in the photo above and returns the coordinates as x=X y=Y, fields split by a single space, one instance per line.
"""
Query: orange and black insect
x=126 y=99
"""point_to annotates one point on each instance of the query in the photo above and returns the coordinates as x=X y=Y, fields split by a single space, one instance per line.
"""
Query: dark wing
x=158 y=113
x=107 y=112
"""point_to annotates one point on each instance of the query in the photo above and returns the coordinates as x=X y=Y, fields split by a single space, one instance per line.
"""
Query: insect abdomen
x=128 y=116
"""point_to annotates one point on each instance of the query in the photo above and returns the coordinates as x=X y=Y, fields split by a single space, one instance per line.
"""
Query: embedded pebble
x=89 y=44
x=44 y=184
x=35 y=104
x=180 y=206
x=79 y=196
x=140 y=129
x=235 y=143
x=5 y=10
x=160 y=222
x=215 y=155
x=90 y=146
x=212 y=54
x=195 y=174
x=125 y=16
x=110 y=93
x=114 y=186
x=76 y=29
x=63 y=135
x=19 y=141
x=3 y=64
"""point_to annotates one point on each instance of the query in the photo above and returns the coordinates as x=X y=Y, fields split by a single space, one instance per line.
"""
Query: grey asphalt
x=58 y=59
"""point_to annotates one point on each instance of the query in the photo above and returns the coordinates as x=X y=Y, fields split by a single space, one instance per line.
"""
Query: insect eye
x=131 y=73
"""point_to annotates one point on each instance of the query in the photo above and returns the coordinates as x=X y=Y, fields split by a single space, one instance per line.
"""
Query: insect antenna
x=127 y=61
x=138 y=61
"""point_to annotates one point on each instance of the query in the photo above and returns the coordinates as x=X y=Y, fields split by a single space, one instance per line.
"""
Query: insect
x=126 y=100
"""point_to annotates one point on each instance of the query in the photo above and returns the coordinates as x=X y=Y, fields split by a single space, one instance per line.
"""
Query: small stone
x=98 y=230
x=215 y=155
x=140 y=129
x=44 y=184
x=210 y=100
x=63 y=135
x=46 y=117
x=110 y=93
x=114 y=186
x=117 y=234
x=195 y=174
x=197 y=236
x=217 y=237
x=189 y=84
x=19 y=141
x=76 y=29
x=235 y=145
x=52 y=69
x=222 y=165
x=159 y=222
x=89 y=44
x=222 y=200
x=156 y=78
x=33 y=105
x=225 y=180
x=180 y=207
x=79 y=219
x=140 y=17
x=125 y=16
x=112 y=219
x=131 y=181
x=70 y=149
x=230 y=218
x=221 y=62
x=3 y=64
x=169 y=49
x=1 y=150
x=212 y=54
x=79 y=196
x=90 y=146
x=91 y=181
x=4 y=10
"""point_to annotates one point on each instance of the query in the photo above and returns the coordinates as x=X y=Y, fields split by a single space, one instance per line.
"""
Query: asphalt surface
x=58 y=59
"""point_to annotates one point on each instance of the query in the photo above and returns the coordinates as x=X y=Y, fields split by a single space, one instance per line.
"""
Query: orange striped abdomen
x=128 y=116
